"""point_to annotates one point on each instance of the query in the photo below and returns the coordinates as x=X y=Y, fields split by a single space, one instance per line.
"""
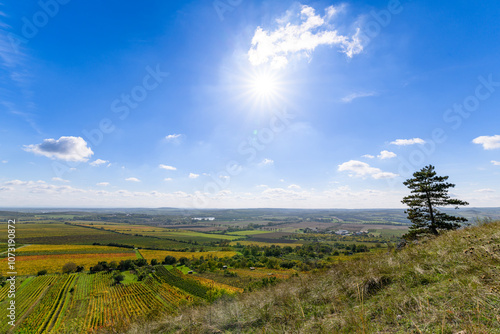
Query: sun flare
x=264 y=85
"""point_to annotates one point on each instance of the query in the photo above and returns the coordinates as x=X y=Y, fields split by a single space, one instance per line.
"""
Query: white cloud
x=167 y=167
x=15 y=183
x=299 y=38
x=349 y=98
x=294 y=186
x=98 y=162
x=368 y=156
x=266 y=162
x=132 y=179
x=488 y=142
x=167 y=179
x=173 y=138
x=193 y=175
x=59 y=179
x=386 y=155
x=4 y=161
x=486 y=190
x=103 y=184
x=405 y=142
x=64 y=148
x=496 y=163
x=363 y=169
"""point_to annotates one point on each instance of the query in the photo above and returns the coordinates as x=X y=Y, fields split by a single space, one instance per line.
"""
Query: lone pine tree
x=428 y=193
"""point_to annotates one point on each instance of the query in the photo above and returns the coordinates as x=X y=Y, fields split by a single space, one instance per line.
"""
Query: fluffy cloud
x=386 y=155
x=168 y=179
x=496 y=163
x=349 y=98
x=406 y=142
x=294 y=186
x=299 y=38
x=167 y=167
x=64 y=148
x=488 y=142
x=98 y=162
x=132 y=179
x=362 y=169
x=193 y=175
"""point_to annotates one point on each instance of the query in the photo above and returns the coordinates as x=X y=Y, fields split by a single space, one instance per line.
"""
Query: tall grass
x=449 y=284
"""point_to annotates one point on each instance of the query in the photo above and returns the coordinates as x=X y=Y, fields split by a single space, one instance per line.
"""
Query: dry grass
x=450 y=284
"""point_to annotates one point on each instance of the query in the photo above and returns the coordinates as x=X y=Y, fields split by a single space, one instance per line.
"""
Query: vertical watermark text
x=11 y=272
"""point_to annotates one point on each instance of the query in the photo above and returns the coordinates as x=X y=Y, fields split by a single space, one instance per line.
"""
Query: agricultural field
x=284 y=243
x=3 y=247
x=388 y=232
x=67 y=249
x=63 y=234
x=249 y=232
x=181 y=235
x=160 y=255
x=81 y=303
x=276 y=247
x=30 y=265
x=264 y=272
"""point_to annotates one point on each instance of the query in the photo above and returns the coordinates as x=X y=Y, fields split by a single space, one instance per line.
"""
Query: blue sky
x=310 y=104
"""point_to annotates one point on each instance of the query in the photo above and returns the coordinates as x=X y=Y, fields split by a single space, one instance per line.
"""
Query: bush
x=169 y=259
x=42 y=272
x=141 y=262
x=118 y=278
x=69 y=267
x=126 y=265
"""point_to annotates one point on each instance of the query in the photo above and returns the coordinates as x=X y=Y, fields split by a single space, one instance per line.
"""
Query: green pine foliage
x=429 y=192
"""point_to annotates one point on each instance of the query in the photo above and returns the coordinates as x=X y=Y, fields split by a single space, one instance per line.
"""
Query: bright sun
x=263 y=89
x=264 y=85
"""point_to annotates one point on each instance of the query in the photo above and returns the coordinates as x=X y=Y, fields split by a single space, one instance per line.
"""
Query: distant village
x=338 y=232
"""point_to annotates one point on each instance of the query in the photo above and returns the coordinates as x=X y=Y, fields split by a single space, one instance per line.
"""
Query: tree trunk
x=432 y=227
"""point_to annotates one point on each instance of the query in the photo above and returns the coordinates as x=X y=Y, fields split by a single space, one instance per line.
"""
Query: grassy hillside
x=445 y=285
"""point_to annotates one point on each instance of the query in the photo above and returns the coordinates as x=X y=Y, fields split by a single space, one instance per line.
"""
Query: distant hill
x=450 y=284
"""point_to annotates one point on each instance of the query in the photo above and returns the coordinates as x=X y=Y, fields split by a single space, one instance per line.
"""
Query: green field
x=250 y=232
x=158 y=232
x=387 y=232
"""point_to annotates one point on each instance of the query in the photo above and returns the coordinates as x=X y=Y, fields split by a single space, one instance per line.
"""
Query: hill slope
x=446 y=285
